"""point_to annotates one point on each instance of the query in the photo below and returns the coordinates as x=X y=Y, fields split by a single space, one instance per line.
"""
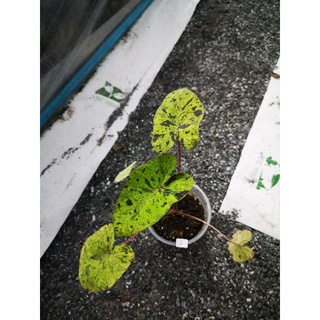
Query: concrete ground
x=225 y=55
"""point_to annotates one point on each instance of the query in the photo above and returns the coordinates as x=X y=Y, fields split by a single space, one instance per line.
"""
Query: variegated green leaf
x=178 y=117
x=102 y=264
x=148 y=194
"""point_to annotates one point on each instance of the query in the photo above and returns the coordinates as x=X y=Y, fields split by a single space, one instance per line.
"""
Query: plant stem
x=130 y=238
x=208 y=224
x=179 y=156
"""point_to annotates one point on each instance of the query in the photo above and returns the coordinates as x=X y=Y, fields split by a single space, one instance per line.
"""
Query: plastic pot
x=197 y=192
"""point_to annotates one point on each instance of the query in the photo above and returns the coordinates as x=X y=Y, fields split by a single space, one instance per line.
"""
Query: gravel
x=224 y=56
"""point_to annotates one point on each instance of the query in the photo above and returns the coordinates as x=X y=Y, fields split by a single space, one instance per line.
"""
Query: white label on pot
x=181 y=243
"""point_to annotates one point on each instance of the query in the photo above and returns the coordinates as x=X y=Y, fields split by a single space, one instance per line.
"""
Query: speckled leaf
x=239 y=251
x=101 y=264
x=178 y=117
x=148 y=194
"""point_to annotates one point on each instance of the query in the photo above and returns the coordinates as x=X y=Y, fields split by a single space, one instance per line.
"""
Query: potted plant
x=157 y=195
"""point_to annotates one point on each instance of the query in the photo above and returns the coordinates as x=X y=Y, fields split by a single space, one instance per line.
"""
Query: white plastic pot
x=197 y=192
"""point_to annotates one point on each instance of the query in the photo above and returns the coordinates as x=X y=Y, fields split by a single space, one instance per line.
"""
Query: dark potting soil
x=173 y=226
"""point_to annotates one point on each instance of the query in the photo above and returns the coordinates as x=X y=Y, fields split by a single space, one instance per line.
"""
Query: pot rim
x=202 y=197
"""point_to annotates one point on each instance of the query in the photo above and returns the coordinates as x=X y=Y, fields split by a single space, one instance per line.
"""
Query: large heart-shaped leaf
x=178 y=117
x=102 y=264
x=148 y=194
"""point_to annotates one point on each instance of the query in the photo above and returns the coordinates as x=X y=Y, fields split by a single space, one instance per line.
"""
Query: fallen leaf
x=115 y=147
x=125 y=173
x=274 y=75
